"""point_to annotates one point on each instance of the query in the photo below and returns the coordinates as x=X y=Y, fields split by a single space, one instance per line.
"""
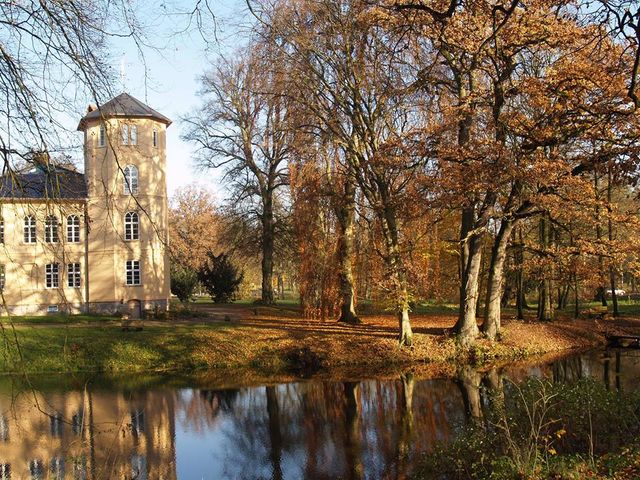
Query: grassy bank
x=265 y=341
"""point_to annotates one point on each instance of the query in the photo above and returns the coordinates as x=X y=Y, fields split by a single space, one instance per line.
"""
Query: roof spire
x=123 y=73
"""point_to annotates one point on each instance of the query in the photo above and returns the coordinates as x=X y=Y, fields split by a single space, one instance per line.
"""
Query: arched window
x=131 y=226
x=73 y=229
x=29 y=229
x=130 y=180
x=51 y=229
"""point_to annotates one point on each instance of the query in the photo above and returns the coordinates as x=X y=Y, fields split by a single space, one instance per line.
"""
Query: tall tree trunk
x=491 y=325
x=268 y=234
x=601 y=294
x=612 y=271
x=398 y=271
x=470 y=261
x=275 y=434
x=576 y=296
x=519 y=260
x=346 y=220
x=545 y=297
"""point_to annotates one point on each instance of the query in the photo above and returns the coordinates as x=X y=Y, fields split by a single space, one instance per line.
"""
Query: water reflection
x=350 y=430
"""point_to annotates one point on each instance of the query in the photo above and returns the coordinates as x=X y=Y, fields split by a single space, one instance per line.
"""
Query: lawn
x=270 y=340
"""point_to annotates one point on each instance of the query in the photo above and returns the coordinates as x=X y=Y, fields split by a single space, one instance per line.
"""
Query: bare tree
x=242 y=128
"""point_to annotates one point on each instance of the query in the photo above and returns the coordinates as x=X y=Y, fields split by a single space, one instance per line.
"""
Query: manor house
x=92 y=242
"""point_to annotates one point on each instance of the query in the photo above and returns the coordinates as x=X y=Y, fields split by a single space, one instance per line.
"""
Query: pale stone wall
x=108 y=203
x=25 y=291
x=102 y=253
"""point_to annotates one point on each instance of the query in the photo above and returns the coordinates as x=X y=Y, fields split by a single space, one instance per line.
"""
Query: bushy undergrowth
x=540 y=430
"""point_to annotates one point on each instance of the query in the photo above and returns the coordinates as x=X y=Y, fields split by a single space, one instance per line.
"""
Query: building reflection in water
x=351 y=430
x=87 y=435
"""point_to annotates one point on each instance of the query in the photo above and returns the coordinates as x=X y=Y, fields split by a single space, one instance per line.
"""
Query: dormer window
x=130 y=180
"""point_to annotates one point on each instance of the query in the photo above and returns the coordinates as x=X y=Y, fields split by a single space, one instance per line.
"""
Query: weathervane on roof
x=123 y=73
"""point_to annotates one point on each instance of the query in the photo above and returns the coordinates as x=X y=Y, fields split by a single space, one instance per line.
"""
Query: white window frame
x=124 y=134
x=73 y=229
x=52 y=275
x=131 y=226
x=130 y=182
x=102 y=136
x=133 y=134
x=51 y=229
x=3 y=277
x=74 y=279
x=132 y=267
x=29 y=229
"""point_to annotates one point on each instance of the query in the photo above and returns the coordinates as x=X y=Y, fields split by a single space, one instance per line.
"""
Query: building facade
x=93 y=242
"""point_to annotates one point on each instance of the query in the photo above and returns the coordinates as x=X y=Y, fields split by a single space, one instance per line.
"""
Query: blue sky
x=178 y=56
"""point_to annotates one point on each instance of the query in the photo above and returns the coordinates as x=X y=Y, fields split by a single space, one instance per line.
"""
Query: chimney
x=91 y=107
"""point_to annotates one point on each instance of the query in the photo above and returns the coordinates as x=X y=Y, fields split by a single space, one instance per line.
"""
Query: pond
x=372 y=428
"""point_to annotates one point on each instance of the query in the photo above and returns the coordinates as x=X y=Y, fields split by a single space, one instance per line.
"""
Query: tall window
x=155 y=137
x=73 y=229
x=124 y=131
x=131 y=226
x=1 y=230
x=51 y=229
x=3 y=277
x=102 y=136
x=52 y=275
x=133 y=272
x=5 y=471
x=133 y=130
x=29 y=229
x=73 y=275
x=130 y=180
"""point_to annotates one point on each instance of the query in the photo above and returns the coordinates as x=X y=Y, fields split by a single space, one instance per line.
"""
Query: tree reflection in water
x=312 y=429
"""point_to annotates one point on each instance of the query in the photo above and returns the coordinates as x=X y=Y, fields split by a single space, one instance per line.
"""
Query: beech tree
x=354 y=84
x=194 y=227
x=242 y=129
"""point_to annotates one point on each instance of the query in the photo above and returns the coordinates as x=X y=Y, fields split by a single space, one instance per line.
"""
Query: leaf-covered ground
x=276 y=341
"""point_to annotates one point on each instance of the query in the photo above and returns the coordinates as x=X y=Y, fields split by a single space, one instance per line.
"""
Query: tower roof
x=124 y=105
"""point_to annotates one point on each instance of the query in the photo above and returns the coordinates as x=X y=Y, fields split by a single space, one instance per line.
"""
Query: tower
x=126 y=218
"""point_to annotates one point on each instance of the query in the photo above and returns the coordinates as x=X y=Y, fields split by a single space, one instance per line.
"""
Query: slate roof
x=46 y=183
x=124 y=105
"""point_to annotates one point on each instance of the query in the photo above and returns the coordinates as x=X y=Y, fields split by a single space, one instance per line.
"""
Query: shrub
x=183 y=283
x=220 y=278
